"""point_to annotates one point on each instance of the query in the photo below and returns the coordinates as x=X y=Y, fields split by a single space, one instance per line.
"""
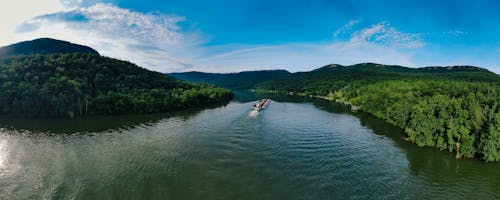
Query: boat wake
x=253 y=113
x=260 y=105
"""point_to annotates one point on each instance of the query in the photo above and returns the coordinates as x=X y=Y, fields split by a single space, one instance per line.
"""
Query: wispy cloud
x=379 y=43
x=148 y=39
x=456 y=33
x=15 y=12
x=384 y=34
x=346 y=28
x=161 y=42
x=157 y=41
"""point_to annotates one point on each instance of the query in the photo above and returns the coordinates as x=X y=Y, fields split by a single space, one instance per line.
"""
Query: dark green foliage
x=330 y=78
x=44 y=46
x=79 y=84
x=440 y=114
x=241 y=80
x=490 y=141
x=451 y=108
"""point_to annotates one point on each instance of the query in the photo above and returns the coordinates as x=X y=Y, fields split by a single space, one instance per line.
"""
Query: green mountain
x=241 y=80
x=456 y=109
x=44 y=46
x=85 y=83
x=330 y=78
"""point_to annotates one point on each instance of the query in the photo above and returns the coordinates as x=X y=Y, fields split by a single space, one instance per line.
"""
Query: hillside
x=330 y=78
x=456 y=109
x=80 y=84
x=44 y=46
x=241 y=80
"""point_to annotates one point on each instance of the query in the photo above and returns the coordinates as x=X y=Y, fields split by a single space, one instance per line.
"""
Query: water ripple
x=288 y=151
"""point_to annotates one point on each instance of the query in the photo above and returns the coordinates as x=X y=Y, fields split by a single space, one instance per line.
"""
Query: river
x=295 y=149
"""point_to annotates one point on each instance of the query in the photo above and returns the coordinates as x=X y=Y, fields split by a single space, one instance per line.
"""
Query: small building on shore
x=355 y=108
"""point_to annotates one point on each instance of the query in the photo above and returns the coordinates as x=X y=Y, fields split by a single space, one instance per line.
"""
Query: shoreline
x=404 y=137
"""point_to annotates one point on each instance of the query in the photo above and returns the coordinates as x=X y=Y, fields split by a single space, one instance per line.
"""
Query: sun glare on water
x=3 y=153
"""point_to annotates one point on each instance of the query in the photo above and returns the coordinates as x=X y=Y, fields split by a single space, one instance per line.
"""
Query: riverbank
x=354 y=108
x=223 y=153
x=457 y=147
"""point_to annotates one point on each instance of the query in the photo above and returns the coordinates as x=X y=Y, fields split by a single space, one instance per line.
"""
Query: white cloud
x=158 y=42
x=16 y=11
x=456 y=33
x=300 y=57
x=378 y=43
x=345 y=28
x=110 y=21
x=150 y=40
x=384 y=34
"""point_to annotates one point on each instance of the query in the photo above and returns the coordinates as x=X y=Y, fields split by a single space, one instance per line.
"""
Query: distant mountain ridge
x=240 y=80
x=381 y=71
x=398 y=68
x=282 y=79
x=44 y=46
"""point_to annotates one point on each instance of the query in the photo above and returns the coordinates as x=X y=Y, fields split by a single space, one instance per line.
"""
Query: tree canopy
x=450 y=108
x=79 y=84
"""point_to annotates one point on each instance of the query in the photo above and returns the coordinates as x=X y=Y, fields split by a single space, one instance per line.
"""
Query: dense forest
x=238 y=81
x=452 y=108
x=331 y=78
x=80 y=84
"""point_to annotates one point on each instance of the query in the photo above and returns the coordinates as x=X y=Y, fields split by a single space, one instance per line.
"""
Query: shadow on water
x=223 y=150
x=104 y=123
x=93 y=123
x=439 y=167
x=433 y=165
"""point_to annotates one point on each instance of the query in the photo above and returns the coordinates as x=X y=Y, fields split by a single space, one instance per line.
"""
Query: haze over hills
x=330 y=78
x=52 y=78
x=44 y=46
x=241 y=80
x=372 y=71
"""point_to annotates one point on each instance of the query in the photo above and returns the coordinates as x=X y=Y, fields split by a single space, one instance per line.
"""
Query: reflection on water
x=300 y=150
x=92 y=123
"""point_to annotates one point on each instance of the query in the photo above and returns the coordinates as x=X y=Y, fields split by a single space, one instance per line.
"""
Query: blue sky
x=228 y=36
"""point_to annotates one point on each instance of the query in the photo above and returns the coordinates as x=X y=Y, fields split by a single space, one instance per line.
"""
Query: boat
x=261 y=104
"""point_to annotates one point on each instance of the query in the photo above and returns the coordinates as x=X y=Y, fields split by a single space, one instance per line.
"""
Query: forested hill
x=241 y=80
x=80 y=84
x=456 y=109
x=331 y=77
x=44 y=46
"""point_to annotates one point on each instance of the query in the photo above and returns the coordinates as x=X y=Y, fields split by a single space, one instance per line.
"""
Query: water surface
x=292 y=150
